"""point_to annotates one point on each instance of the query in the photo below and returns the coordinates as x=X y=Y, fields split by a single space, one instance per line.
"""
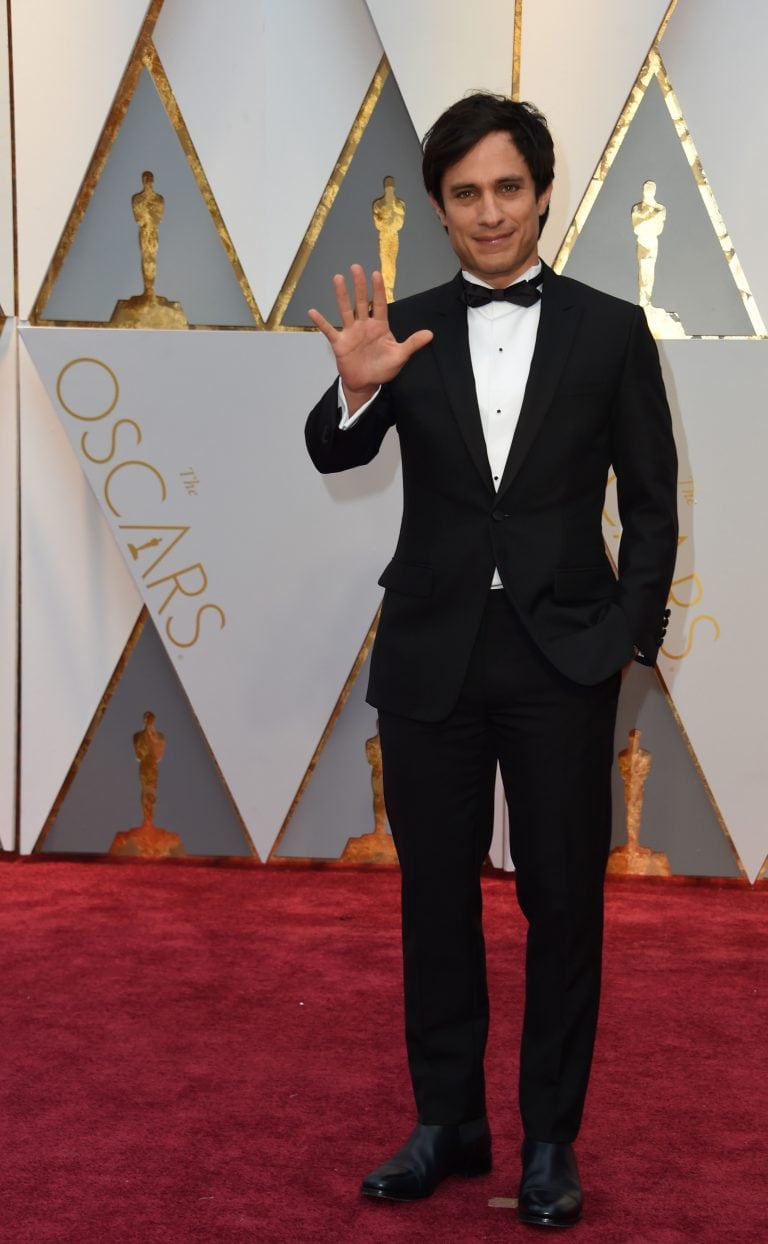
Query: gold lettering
x=131 y=462
x=190 y=481
x=96 y=363
x=687 y=578
x=154 y=543
x=113 y=435
x=688 y=489
x=180 y=643
x=702 y=617
x=136 y=549
x=176 y=578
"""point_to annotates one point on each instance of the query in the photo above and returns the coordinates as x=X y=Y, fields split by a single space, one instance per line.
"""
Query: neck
x=501 y=282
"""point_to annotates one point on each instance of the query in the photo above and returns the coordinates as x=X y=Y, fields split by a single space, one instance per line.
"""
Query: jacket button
x=499 y=515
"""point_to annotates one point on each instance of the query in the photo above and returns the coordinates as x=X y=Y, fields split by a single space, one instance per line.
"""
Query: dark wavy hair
x=475 y=116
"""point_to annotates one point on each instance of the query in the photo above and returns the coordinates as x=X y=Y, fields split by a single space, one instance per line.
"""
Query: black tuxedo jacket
x=594 y=400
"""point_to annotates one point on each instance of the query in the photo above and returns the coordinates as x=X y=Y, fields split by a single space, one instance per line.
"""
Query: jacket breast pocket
x=584 y=583
x=407 y=579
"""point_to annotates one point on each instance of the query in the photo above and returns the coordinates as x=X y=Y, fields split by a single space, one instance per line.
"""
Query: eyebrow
x=471 y=185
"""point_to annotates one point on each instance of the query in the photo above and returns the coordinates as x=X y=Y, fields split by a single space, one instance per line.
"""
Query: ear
x=438 y=209
x=542 y=203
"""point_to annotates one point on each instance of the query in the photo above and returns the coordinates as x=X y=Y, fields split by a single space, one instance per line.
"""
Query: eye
x=509 y=187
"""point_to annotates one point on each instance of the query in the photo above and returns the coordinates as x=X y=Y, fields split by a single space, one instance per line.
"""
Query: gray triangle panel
x=337 y=803
x=105 y=796
x=692 y=277
x=678 y=817
x=103 y=263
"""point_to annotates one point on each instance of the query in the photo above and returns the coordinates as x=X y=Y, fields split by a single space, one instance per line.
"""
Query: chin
x=497 y=265
x=502 y=272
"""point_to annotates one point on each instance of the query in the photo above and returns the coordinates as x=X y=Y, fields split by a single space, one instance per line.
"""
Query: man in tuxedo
x=503 y=628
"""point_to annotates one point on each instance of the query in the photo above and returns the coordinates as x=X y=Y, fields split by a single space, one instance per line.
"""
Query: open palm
x=367 y=354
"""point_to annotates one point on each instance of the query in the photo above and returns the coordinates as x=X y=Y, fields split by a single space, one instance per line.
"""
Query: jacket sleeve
x=645 y=462
x=333 y=449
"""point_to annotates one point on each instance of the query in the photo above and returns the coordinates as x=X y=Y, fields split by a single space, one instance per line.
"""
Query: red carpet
x=214 y=1054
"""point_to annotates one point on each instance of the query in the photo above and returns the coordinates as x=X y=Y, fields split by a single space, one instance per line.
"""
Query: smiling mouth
x=494 y=241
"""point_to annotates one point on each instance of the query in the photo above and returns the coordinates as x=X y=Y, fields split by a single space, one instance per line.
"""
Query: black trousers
x=553 y=740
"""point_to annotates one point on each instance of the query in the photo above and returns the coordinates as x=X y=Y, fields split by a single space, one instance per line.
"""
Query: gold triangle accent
x=327 y=198
x=90 y=734
x=653 y=67
x=664 y=23
x=12 y=132
x=517 y=50
x=344 y=694
x=611 y=150
x=143 y=56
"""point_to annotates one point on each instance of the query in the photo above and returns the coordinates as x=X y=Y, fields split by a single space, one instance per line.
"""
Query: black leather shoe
x=550 y=1189
x=431 y=1153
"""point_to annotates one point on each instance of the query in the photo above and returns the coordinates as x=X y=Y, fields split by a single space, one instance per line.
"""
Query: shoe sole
x=380 y=1195
x=531 y=1220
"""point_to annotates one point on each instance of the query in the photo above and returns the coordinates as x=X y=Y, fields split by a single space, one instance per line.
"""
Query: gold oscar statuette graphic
x=147 y=840
x=376 y=847
x=388 y=217
x=148 y=310
x=633 y=859
x=648 y=220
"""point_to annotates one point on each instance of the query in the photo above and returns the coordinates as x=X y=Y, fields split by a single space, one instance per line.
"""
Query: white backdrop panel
x=440 y=49
x=8 y=584
x=715 y=55
x=720 y=688
x=78 y=604
x=269 y=90
x=6 y=174
x=291 y=558
x=68 y=58
x=578 y=64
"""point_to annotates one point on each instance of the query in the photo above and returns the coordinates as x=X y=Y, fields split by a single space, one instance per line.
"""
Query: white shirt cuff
x=347 y=420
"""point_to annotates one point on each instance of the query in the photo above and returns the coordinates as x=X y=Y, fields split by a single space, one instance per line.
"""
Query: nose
x=490 y=213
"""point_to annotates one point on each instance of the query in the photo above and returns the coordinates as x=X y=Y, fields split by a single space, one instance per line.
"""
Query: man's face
x=491 y=210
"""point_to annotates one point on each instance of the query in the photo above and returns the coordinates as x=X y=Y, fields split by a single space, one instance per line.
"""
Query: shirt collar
x=528 y=275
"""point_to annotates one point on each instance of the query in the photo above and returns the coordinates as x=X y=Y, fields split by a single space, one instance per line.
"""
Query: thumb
x=417 y=341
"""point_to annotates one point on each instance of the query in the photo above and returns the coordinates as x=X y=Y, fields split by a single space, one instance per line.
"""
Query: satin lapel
x=451 y=350
x=560 y=317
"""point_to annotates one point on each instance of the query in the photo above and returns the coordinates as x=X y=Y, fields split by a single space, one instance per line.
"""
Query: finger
x=360 y=286
x=325 y=326
x=379 y=297
x=342 y=300
x=417 y=341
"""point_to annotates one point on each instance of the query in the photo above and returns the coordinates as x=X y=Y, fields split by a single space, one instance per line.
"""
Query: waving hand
x=367 y=353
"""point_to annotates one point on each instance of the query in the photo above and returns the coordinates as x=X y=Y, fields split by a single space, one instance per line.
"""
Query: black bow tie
x=522 y=293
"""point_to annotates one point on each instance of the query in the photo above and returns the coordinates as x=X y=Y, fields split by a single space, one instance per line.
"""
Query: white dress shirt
x=502 y=336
